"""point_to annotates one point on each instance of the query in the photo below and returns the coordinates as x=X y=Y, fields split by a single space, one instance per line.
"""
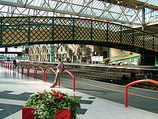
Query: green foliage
x=48 y=102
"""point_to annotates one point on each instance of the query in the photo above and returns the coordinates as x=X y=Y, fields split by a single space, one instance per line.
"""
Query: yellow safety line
x=118 y=91
x=143 y=96
x=100 y=87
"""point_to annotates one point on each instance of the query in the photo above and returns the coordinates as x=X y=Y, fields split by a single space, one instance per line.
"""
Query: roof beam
x=134 y=4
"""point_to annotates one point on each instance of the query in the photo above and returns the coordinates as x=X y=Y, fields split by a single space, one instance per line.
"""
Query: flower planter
x=28 y=113
x=51 y=104
x=63 y=114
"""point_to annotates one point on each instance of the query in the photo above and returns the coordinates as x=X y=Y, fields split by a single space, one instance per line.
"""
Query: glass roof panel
x=62 y=7
x=78 y=2
x=76 y=8
x=52 y=4
x=15 y=1
x=97 y=4
x=36 y=2
x=115 y=9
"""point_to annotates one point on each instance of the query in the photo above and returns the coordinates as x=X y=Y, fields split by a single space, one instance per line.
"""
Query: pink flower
x=50 y=101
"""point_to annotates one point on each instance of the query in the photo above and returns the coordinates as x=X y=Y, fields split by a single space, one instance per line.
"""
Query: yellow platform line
x=117 y=90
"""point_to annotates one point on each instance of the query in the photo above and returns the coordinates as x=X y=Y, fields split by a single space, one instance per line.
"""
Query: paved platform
x=15 y=90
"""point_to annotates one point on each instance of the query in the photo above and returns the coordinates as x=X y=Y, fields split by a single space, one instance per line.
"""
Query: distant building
x=78 y=53
x=72 y=52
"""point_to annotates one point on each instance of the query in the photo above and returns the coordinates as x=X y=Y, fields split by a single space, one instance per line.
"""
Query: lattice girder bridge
x=16 y=31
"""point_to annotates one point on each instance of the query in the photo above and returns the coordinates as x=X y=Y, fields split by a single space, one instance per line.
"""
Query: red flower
x=56 y=94
x=59 y=97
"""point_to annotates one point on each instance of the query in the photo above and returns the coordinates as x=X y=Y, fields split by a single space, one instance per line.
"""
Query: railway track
x=104 y=75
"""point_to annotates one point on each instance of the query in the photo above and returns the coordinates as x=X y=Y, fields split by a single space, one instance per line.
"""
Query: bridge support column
x=52 y=56
x=156 y=60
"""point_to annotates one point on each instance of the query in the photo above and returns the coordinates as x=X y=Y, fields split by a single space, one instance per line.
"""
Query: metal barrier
x=35 y=72
x=19 y=67
x=22 y=70
x=73 y=79
x=28 y=70
x=1 y=64
x=135 y=82
x=11 y=66
x=8 y=65
x=44 y=73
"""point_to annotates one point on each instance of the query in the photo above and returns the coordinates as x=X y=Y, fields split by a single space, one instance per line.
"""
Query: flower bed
x=48 y=104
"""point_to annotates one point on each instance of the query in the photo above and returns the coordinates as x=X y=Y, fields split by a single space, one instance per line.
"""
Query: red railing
x=35 y=72
x=44 y=73
x=10 y=66
x=132 y=83
x=22 y=69
x=28 y=70
x=73 y=77
x=19 y=68
x=1 y=64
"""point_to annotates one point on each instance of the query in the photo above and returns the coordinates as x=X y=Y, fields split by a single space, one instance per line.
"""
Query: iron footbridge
x=16 y=31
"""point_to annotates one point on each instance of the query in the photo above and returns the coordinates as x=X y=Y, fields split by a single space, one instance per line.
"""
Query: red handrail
x=45 y=73
x=1 y=64
x=73 y=81
x=35 y=72
x=135 y=82
x=22 y=70
x=19 y=66
x=28 y=70
x=10 y=66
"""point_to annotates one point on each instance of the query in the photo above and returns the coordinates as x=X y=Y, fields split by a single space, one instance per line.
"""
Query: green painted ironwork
x=127 y=58
x=1 y=33
x=42 y=30
x=52 y=56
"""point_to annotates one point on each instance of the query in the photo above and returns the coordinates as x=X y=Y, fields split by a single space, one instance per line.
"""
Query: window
x=66 y=48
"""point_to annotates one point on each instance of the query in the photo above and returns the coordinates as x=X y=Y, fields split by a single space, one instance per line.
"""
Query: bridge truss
x=16 y=31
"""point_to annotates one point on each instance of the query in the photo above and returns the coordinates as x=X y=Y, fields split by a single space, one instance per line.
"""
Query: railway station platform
x=16 y=88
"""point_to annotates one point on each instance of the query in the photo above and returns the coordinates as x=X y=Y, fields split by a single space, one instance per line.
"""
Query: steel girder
x=121 y=11
x=15 y=31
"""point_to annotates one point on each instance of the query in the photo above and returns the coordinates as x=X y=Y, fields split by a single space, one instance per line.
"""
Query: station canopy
x=126 y=12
